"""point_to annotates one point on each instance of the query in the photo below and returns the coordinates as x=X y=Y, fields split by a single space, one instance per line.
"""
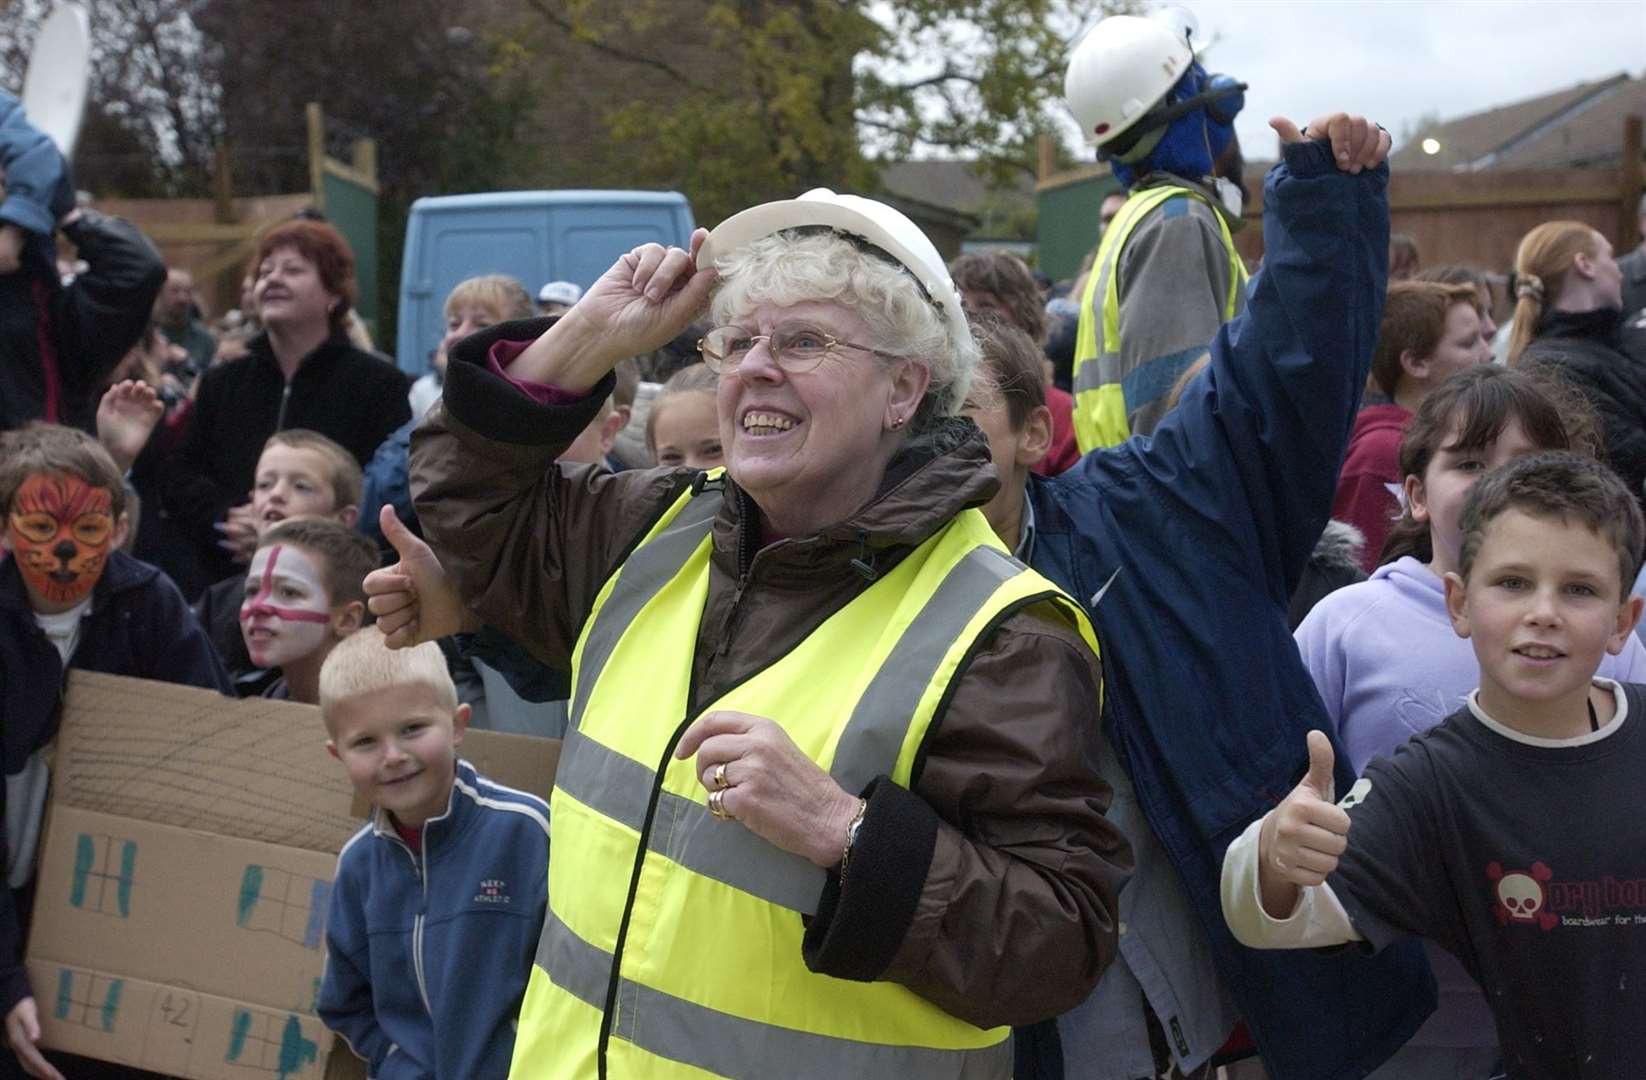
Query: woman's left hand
x=772 y=787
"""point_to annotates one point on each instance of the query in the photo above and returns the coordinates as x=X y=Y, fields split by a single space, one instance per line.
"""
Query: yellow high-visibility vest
x=1101 y=416
x=672 y=943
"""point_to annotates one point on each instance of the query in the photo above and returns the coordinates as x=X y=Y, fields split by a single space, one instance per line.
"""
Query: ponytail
x=1541 y=262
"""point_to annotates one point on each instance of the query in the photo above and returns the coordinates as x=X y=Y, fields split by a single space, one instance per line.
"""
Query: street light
x=1431 y=146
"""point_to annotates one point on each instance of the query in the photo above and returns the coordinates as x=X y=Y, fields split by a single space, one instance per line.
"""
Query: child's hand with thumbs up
x=1302 y=838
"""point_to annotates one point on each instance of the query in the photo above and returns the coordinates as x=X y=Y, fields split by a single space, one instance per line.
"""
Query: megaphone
x=54 y=87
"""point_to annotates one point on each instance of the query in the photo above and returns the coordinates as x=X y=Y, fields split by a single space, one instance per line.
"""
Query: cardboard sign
x=185 y=875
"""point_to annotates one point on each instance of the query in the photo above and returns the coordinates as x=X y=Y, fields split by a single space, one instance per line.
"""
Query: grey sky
x=1395 y=60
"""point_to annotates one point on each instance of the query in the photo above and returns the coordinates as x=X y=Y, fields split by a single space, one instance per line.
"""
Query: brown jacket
x=989 y=890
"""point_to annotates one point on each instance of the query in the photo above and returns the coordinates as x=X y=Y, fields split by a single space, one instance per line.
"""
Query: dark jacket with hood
x=58 y=343
x=1199 y=536
x=138 y=625
x=990 y=888
x=353 y=397
x=1585 y=347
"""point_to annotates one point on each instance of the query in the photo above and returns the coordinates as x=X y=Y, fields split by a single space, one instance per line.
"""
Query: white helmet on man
x=1120 y=70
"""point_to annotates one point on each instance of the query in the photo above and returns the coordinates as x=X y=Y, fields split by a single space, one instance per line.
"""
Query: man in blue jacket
x=1187 y=546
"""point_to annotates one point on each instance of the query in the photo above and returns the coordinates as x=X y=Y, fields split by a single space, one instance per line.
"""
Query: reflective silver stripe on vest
x=1100 y=371
x=651 y=566
x=597 y=776
x=687 y=833
x=728 y=1045
x=683 y=829
x=874 y=735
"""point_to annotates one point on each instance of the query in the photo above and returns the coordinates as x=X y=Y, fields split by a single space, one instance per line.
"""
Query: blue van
x=534 y=236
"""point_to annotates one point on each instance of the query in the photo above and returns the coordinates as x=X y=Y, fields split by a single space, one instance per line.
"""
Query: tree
x=736 y=101
x=154 y=105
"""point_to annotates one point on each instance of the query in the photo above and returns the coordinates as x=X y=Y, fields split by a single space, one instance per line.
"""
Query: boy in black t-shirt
x=1512 y=833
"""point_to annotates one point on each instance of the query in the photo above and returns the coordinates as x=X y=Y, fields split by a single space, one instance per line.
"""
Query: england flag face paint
x=286 y=614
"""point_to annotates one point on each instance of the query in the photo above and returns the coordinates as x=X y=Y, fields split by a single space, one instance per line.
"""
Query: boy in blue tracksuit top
x=439 y=900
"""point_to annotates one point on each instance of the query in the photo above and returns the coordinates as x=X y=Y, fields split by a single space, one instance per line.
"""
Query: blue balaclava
x=1193 y=141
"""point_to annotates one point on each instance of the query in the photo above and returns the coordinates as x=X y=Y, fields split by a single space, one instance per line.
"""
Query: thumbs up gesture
x=1302 y=838
x=414 y=600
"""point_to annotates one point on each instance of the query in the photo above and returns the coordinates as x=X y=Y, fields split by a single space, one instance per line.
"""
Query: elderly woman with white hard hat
x=827 y=803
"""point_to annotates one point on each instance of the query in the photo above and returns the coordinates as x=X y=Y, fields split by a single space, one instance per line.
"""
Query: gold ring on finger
x=717 y=805
x=720 y=782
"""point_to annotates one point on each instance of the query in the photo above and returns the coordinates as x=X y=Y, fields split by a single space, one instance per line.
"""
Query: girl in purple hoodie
x=1383 y=653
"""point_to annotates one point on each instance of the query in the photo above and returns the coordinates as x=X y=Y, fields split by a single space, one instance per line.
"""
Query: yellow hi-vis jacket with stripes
x=672 y=942
x=1102 y=412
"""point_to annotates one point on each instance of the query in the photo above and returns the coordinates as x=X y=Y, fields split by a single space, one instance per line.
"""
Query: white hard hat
x=1120 y=70
x=866 y=219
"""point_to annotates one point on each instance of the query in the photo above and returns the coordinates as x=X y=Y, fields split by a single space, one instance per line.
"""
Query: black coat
x=354 y=397
x=87 y=326
x=1585 y=347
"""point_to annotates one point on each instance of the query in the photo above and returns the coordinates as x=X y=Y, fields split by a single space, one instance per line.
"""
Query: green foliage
x=764 y=98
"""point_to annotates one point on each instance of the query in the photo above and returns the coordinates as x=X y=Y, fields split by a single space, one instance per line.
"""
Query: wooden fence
x=215 y=238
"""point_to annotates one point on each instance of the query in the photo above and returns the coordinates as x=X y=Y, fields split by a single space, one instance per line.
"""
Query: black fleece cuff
x=857 y=932
x=492 y=406
x=14 y=987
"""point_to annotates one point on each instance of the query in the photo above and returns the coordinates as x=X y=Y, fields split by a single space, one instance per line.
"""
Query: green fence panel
x=1068 y=221
x=353 y=209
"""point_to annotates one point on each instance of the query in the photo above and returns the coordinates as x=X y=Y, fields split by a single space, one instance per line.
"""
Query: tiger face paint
x=287 y=611
x=60 y=531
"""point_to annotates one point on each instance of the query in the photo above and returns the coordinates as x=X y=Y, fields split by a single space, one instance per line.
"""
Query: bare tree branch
x=559 y=21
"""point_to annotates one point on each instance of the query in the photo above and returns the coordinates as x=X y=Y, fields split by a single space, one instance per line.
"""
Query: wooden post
x=365 y=157
x=317 y=154
x=1046 y=158
x=1631 y=186
x=222 y=185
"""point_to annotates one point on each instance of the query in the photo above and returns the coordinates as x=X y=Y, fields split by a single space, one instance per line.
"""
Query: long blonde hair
x=1542 y=261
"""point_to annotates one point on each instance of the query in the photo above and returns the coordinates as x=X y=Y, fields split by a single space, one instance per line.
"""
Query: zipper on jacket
x=745 y=567
x=422 y=913
x=419 y=860
x=285 y=398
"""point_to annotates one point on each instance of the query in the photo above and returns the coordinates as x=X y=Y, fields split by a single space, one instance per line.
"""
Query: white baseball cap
x=559 y=292
x=866 y=220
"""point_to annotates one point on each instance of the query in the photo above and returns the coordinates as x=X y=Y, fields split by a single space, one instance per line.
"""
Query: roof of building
x=954 y=184
x=1580 y=126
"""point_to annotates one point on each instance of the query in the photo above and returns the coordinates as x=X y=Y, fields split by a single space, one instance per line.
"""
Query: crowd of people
x=956 y=671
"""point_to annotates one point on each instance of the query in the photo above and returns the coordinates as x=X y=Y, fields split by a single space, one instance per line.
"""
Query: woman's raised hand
x=647 y=297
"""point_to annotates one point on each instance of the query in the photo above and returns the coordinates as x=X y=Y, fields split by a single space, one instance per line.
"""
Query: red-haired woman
x=301 y=372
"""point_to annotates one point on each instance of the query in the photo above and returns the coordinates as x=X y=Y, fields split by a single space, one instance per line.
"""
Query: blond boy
x=439 y=900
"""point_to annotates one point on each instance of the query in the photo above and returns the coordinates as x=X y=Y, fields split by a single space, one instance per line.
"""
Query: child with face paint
x=68 y=598
x=300 y=474
x=302 y=596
